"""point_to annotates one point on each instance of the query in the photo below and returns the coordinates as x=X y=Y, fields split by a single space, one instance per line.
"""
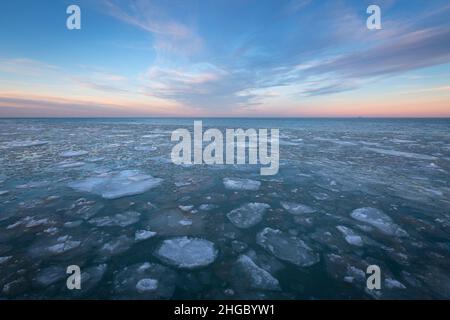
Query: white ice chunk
x=296 y=208
x=71 y=153
x=5 y=259
x=117 y=246
x=401 y=154
x=186 y=252
x=393 y=284
x=350 y=236
x=146 y=285
x=117 y=185
x=258 y=278
x=121 y=220
x=241 y=184
x=141 y=235
x=287 y=248
x=248 y=215
x=207 y=207
x=186 y=208
x=27 y=143
x=379 y=220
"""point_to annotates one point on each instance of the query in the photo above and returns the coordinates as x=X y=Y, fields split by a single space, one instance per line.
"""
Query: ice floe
x=287 y=248
x=26 y=143
x=49 y=276
x=258 y=278
x=120 y=220
x=297 y=208
x=350 y=236
x=145 y=281
x=141 y=235
x=117 y=185
x=116 y=246
x=248 y=215
x=379 y=220
x=410 y=155
x=186 y=252
x=147 y=285
x=241 y=184
x=71 y=153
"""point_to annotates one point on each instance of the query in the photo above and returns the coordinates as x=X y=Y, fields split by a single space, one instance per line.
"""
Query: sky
x=225 y=58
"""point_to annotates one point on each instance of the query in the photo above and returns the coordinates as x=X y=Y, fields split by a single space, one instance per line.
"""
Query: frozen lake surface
x=103 y=194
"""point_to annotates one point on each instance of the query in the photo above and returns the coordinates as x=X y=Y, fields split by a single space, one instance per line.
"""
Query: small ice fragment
x=248 y=215
x=207 y=207
x=4 y=259
x=49 y=276
x=68 y=154
x=117 y=185
x=186 y=208
x=145 y=285
x=258 y=278
x=141 y=235
x=393 y=284
x=379 y=220
x=287 y=248
x=350 y=236
x=27 y=143
x=297 y=208
x=186 y=252
x=121 y=220
x=241 y=184
x=185 y=222
x=401 y=154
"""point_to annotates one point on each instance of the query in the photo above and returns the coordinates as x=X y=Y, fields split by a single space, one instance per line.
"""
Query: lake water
x=103 y=194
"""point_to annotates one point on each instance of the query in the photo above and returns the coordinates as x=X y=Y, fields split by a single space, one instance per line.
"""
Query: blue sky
x=225 y=58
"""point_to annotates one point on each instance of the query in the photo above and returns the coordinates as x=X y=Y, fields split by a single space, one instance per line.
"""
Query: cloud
x=413 y=50
x=170 y=36
x=17 y=105
x=26 y=67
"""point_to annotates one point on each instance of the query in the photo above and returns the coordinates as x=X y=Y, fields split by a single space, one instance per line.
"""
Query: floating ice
x=141 y=235
x=286 y=248
x=185 y=222
x=145 y=281
x=393 y=284
x=68 y=165
x=297 y=208
x=91 y=276
x=241 y=184
x=207 y=207
x=185 y=252
x=186 y=208
x=117 y=246
x=379 y=220
x=64 y=245
x=117 y=185
x=49 y=276
x=27 y=143
x=4 y=259
x=146 y=285
x=350 y=236
x=401 y=154
x=71 y=153
x=248 y=215
x=257 y=277
x=145 y=148
x=121 y=220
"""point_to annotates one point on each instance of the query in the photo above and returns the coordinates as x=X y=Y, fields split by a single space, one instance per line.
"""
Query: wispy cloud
x=170 y=36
